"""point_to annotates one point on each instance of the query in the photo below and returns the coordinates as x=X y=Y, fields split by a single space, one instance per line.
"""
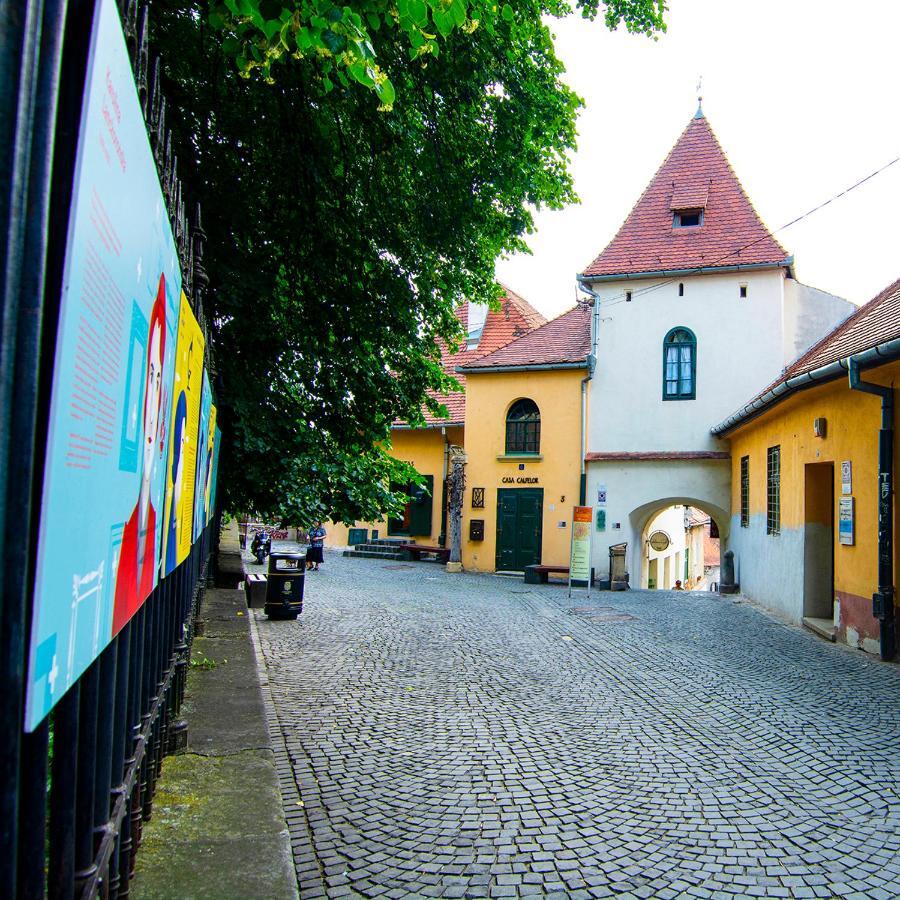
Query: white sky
x=803 y=95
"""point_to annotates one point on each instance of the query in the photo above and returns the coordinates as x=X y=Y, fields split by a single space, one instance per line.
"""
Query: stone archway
x=642 y=516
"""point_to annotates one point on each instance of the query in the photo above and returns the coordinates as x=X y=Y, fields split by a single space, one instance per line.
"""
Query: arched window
x=680 y=365
x=523 y=427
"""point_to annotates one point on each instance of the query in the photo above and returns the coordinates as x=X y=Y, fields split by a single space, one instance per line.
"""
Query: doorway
x=416 y=517
x=818 y=543
x=652 y=576
x=520 y=513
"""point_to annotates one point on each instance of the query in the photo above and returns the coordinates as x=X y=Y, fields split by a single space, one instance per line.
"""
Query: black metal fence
x=74 y=792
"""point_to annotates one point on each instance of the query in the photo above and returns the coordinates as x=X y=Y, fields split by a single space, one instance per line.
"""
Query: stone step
x=824 y=628
x=388 y=542
x=369 y=554
x=375 y=548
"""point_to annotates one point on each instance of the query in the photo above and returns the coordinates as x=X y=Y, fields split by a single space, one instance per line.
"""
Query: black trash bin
x=284 y=588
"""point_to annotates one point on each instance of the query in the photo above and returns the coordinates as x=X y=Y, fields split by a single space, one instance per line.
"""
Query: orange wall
x=853 y=422
x=557 y=394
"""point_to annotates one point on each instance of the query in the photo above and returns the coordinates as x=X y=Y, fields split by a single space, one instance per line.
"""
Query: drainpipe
x=591 y=360
x=442 y=537
x=883 y=601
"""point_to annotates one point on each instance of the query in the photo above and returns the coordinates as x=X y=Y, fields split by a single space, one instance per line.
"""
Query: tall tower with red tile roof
x=695 y=306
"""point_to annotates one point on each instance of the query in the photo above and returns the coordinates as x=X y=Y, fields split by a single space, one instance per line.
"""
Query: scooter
x=261 y=546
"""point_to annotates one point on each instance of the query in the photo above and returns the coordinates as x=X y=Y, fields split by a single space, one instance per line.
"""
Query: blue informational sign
x=99 y=546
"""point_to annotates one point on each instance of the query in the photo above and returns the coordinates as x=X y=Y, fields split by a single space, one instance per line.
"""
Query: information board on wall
x=580 y=556
x=99 y=548
x=845 y=521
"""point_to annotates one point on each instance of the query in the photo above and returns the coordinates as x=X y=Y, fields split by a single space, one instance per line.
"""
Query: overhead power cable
x=616 y=299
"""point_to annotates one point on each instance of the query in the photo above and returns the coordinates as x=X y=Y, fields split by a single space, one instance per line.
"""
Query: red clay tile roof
x=565 y=339
x=695 y=174
x=696 y=517
x=874 y=323
x=516 y=317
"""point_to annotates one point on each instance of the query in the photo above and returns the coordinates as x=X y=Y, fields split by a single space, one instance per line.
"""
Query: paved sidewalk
x=471 y=736
x=218 y=829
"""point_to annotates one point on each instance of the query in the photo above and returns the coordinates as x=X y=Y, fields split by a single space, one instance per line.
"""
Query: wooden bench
x=256 y=588
x=415 y=551
x=540 y=574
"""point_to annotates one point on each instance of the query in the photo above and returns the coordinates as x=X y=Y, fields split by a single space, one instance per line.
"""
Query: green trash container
x=284 y=587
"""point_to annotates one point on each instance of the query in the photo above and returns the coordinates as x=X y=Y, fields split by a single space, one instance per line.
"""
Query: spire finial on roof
x=699 y=113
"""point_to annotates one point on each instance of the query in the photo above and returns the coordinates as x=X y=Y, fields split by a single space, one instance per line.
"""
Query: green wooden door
x=519 y=527
x=420 y=507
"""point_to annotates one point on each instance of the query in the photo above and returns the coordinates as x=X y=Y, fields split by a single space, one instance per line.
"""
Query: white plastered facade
x=743 y=343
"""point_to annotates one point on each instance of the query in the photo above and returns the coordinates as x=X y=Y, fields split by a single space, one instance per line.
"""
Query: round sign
x=659 y=541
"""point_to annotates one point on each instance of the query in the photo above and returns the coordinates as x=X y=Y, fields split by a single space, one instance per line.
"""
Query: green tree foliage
x=342 y=232
x=262 y=32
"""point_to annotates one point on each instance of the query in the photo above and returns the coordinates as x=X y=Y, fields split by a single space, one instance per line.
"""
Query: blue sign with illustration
x=100 y=531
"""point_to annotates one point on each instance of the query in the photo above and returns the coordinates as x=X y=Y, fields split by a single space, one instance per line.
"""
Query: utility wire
x=615 y=300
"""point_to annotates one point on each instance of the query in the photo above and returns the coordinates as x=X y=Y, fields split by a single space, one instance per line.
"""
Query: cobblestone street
x=472 y=736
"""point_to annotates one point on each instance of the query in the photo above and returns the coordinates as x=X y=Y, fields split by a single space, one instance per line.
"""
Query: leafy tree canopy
x=341 y=37
x=343 y=234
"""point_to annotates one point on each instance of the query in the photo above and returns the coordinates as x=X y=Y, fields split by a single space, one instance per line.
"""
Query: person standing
x=315 y=554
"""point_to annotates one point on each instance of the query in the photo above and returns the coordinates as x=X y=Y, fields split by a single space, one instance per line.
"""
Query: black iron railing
x=75 y=791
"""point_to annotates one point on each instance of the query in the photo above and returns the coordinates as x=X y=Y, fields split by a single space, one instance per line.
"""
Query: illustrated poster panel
x=100 y=529
x=203 y=458
x=214 y=474
x=208 y=485
x=182 y=463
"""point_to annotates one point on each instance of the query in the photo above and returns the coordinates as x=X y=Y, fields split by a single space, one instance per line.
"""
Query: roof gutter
x=444 y=424
x=872 y=357
x=786 y=263
x=537 y=367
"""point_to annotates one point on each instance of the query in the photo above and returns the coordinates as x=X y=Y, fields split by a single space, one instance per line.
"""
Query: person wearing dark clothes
x=314 y=555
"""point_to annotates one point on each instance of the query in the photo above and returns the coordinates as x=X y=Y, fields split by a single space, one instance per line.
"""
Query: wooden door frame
x=518 y=491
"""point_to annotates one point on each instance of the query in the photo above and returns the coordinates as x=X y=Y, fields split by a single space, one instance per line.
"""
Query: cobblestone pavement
x=472 y=736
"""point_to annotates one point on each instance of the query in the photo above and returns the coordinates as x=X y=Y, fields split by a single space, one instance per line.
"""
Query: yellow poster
x=210 y=456
x=183 y=438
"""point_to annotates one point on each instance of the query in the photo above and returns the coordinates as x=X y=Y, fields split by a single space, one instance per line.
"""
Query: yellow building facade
x=519 y=497
x=424 y=520
x=806 y=482
x=425 y=449
x=550 y=478
x=526 y=421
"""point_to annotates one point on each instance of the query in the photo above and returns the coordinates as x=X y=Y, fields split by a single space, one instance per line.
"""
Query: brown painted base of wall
x=856 y=625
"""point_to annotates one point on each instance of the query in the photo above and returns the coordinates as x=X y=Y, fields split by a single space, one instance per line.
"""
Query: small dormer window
x=687 y=218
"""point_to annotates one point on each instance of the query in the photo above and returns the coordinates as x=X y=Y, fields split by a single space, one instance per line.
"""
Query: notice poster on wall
x=99 y=534
x=182 y=465
x=580 y=557
x=845 y=521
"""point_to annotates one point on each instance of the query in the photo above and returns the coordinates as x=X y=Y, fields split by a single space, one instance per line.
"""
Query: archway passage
x=680 y=546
